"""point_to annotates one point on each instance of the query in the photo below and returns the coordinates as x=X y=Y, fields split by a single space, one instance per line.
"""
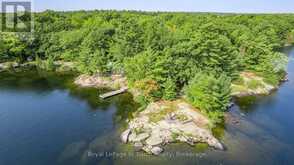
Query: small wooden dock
x=113 y=93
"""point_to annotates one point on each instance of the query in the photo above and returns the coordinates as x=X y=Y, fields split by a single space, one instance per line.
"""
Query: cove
x=45 y=120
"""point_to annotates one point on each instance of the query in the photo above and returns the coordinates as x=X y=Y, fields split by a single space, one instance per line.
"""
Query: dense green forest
x=167 y=55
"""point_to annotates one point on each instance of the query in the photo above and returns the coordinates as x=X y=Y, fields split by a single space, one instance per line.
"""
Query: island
x=182 y=68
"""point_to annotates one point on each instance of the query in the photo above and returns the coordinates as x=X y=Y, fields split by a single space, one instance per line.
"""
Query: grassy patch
x=161 y=114
x=138 y=130
x=156 y=117
x=238 y=88
x=254 y=84
x=142 y=101
x=181 y=117
x=174 y=136
x=248 y=81
x=201 y=147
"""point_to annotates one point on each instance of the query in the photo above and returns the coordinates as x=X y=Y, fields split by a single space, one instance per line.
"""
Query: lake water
x=46 y=120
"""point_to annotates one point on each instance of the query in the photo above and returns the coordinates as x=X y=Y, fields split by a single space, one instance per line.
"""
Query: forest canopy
x=169 y=53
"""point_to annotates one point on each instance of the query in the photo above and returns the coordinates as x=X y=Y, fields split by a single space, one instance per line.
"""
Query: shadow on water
x=100 y=120
x=246 y=104
x=262 y=135
x=44 y=82
x=60 y=123
x=29 y=80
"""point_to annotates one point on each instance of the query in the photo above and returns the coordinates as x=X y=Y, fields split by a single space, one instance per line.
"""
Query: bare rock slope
x=98 y=81
x=165 y=122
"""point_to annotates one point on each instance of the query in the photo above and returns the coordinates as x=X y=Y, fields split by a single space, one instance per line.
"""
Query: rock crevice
x=165 y=122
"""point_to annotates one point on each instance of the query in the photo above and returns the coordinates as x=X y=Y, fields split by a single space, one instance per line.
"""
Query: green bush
x=149 y=88
x=239 y=81
x=209 y=92
x=142 y=101
x=169 y=90
x=49 y=63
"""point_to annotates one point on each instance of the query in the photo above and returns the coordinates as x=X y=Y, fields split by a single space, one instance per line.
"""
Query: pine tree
x=169 y=90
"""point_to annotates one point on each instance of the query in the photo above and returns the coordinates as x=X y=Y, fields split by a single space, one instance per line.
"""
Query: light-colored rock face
x=140 y=137
x=252 y=85
x=138 y=146
x=125 y=135
x=156 y=150
x=113 y=81
x=166 y=122
x=155 y=139
x=7 y=65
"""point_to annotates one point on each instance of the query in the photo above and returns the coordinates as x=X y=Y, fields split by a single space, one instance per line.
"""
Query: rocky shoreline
x=160 y=123
x=163 y=122
x=260 y=91
x=12 y=65
x=59 y=66
x=115 y=81
x=166 y=122
x=252 y=85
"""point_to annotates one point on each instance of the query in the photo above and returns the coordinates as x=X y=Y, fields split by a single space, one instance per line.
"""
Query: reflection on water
x=45 y=120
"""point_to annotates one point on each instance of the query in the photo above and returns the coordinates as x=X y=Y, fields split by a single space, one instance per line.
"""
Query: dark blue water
x=265 y=133
x=46 y=120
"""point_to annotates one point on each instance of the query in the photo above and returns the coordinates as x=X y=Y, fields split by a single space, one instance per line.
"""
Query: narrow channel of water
x=46 y=120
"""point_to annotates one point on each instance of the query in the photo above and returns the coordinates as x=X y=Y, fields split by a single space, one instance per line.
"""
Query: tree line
x=164 y=54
